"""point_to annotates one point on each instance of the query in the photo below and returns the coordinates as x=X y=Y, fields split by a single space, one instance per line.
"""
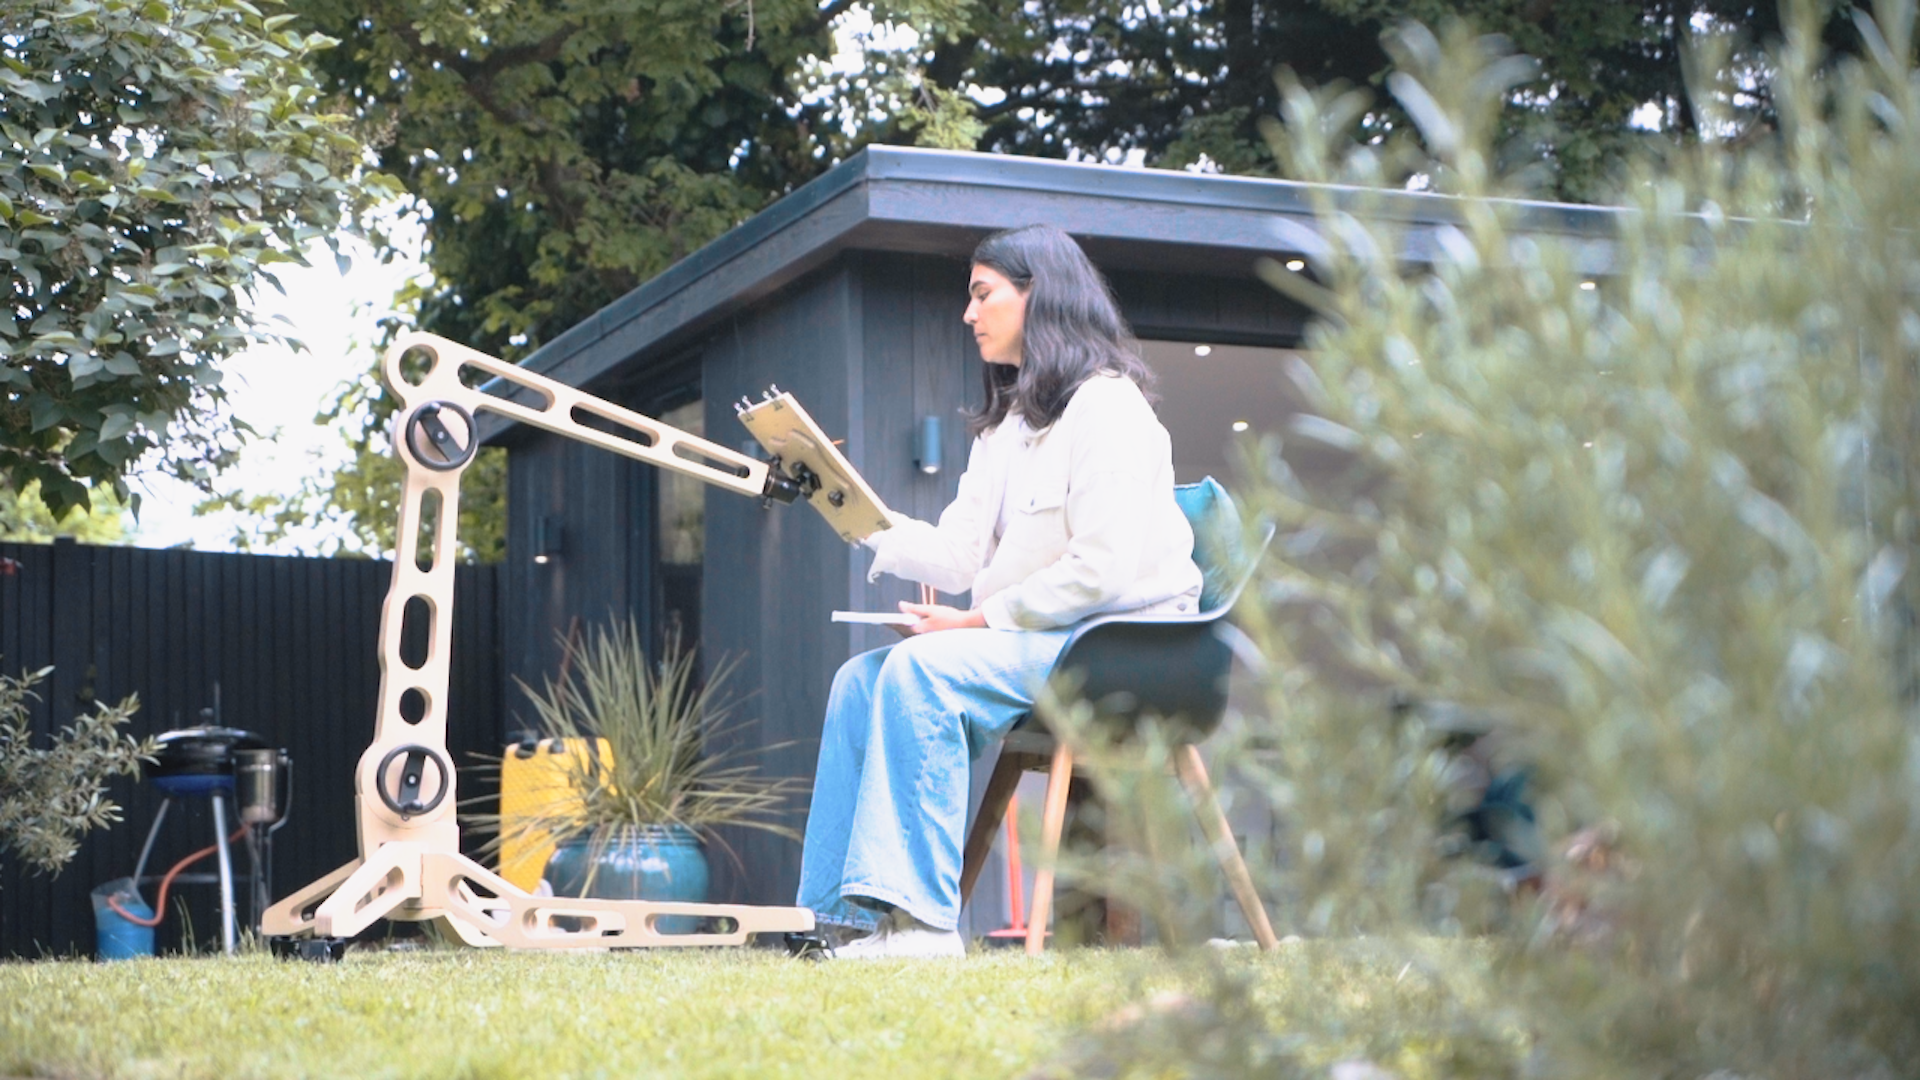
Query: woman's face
x=997 y=313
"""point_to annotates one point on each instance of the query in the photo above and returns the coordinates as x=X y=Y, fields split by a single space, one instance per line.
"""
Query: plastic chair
x=1172 y=666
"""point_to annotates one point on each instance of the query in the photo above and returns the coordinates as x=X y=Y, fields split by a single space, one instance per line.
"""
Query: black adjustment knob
x=439 y=435
x=403 y=795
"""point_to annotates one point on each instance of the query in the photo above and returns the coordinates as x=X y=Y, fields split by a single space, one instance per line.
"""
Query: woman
x=1065 y=511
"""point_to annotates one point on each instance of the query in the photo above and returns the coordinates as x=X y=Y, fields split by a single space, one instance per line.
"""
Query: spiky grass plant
x=1642 y=495
x=661 y=759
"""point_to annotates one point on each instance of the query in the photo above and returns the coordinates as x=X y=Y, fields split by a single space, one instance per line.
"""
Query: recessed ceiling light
x=1296 y=265
x=1241 y=425
x=1203 y=350
x=1589 y=286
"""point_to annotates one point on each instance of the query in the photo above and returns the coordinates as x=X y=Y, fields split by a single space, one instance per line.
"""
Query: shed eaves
x=940 y=201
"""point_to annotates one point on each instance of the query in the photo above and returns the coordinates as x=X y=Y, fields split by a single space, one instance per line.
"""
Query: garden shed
x=848 y=293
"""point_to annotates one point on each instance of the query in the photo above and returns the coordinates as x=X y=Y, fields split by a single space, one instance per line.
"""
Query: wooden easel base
x=409 y=882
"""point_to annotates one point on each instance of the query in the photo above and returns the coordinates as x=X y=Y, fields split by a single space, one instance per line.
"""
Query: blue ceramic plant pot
x=661 y=862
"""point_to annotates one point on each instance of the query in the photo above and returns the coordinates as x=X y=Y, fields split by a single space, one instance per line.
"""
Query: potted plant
x=646 y=784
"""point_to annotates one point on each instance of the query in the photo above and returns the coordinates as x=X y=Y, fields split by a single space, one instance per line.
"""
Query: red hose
x=160 y=898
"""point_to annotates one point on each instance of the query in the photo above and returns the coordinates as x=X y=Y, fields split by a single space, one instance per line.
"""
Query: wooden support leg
x=291 y=915
x=382 y=882
x=1052 y=822
x=993 y=807
x=1219 y=833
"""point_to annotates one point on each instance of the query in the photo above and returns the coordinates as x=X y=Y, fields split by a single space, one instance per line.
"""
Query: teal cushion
x=1217 y=537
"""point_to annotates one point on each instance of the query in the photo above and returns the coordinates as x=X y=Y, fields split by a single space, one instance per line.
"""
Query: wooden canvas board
x=843 y=498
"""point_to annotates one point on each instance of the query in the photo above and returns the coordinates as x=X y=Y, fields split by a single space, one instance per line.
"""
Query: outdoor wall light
x=1203 y=350
x=549 y=536
x=926 y=445
x=1296 y=265
x=1589 y=286
x=1241 y=425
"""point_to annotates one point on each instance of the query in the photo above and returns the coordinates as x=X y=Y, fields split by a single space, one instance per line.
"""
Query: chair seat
x=1028 y=736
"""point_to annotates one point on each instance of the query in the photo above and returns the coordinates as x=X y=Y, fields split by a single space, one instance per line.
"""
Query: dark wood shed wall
x=605 y=506
x=869 y=346
x=597 y=499
x=918 y=360
x=772 y=575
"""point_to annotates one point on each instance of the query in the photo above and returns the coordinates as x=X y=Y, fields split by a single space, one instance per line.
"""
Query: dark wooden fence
x=290 y=643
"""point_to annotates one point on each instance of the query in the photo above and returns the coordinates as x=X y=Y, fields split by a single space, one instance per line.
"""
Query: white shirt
x=1014 y=443
x=1056 y=526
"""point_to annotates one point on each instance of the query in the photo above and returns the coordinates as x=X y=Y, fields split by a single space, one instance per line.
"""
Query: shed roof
x=888 y=198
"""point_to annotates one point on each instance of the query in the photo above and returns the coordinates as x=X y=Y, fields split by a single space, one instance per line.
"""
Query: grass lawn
x=468 y=1013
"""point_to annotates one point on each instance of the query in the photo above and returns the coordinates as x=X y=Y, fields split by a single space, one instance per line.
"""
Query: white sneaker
x=901 y=935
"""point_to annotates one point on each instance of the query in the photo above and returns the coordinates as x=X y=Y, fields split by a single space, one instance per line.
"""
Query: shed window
x=1215 y=399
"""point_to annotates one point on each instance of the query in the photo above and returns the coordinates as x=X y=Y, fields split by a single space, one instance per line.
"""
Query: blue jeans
x=903 y=723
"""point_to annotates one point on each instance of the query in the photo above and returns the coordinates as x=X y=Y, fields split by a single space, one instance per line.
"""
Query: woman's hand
x=939 y=617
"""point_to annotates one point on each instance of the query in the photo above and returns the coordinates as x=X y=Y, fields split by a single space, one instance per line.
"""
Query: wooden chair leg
x=1219 y=833
x=993 y=808
x=1052 y=822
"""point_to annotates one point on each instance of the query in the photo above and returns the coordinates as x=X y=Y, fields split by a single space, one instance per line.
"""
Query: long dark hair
x=1073 y=329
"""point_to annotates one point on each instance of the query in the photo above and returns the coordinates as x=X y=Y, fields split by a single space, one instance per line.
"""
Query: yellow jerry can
x=533 y=784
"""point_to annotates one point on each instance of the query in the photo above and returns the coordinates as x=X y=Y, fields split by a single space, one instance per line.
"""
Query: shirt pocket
x=1046 y=494
x=1037 y=528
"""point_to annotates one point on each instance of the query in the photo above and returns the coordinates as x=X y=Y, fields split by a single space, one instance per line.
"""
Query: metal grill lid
x=201 y=751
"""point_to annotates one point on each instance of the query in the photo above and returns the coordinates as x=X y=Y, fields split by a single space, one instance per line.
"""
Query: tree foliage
x=568 y=151
x=1174 y=82
x=24 y=517
x=157 y=157
x=562 y=153
x=50 y=796
x=358 y=503
x=1642 y=498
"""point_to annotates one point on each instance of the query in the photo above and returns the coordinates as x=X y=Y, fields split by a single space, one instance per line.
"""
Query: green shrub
x=1642 y=498
x=50 y=796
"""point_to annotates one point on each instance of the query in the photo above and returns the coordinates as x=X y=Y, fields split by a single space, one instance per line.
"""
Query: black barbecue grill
x=231 y=768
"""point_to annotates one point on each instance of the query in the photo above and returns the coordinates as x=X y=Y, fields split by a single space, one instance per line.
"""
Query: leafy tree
x=50 y=795
x=565 y=153
x=596 y=147
x=24 y=516
x=568 y=151
x=359 y=502
x=157 y=157
x=1176 y=83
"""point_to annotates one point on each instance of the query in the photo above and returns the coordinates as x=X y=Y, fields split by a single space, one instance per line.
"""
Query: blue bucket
x=115 y=937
